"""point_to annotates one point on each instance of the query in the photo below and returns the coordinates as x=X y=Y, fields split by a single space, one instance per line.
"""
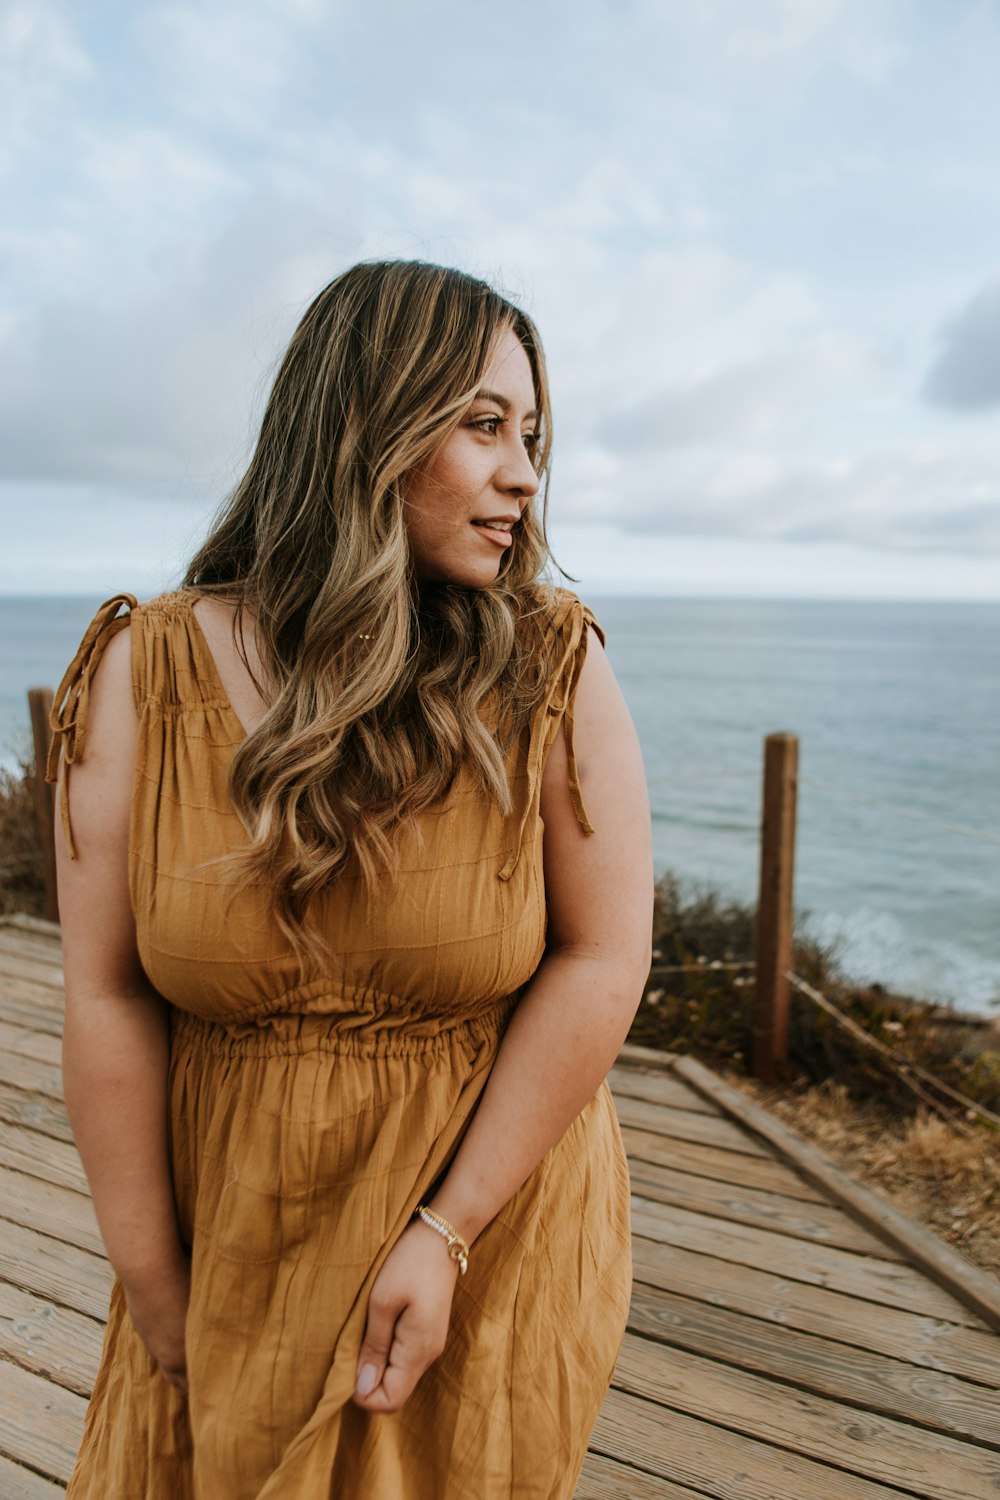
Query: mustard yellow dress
x=307 y=1120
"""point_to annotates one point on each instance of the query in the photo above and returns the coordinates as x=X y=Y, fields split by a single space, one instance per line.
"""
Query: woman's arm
x=575 y=1014
x=115 y=1034
x=569 y=1023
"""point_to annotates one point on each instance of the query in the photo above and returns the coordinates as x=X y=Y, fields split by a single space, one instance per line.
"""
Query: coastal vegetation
x=22 y=880
x=936 y=1159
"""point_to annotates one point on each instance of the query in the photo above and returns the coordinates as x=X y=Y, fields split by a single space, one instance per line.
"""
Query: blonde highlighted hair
x=375 y=685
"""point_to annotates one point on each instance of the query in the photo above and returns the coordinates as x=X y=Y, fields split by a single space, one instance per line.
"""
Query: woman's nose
x=518 y=473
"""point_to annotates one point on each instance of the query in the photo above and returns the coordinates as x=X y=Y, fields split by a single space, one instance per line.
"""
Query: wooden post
x=774 y=907
x=40 y=704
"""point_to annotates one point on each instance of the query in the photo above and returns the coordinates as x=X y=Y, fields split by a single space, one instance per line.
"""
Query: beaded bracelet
x=458 y=1249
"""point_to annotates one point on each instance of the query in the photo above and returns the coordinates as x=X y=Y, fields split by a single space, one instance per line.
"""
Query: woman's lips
x=495 y=532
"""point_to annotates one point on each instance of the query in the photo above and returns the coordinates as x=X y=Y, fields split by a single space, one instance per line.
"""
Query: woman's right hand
x=157 y=1304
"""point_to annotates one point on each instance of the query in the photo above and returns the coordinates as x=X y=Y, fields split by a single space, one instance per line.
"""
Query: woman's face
x=462 y=504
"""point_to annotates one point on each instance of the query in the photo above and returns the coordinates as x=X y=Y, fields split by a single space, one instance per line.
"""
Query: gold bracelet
x=458 y=1248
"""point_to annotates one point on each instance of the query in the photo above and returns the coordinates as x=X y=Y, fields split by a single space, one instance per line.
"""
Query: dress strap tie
x=72 y=700
x=560 y=699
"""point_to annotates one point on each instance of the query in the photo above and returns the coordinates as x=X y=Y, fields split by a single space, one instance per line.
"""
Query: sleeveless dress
x=309 y=1116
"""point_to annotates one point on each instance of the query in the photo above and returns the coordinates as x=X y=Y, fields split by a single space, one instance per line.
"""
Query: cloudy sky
x=761 y=239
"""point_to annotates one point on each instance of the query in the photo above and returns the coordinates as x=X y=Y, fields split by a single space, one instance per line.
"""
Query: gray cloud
x=966 y=374
x=741 y=403
x=157 y=381
x=896 y=501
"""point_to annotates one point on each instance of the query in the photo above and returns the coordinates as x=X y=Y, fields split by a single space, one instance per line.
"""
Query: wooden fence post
x=40 y=704
x=774 y=907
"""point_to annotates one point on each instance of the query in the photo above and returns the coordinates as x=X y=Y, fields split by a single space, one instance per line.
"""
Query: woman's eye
x=530 y=441
x=488 y=424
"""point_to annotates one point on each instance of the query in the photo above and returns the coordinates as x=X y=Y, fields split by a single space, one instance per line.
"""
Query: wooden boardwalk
x=791 y=1338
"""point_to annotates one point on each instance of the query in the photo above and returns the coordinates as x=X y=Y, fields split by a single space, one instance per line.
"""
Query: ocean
x=897 y=710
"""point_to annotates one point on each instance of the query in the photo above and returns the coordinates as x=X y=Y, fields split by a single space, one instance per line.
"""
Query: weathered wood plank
x=659 y=1088
x=604 y=1479
x=725 y=1465
x=818 y=1222
x=55 y=1211
x=14 y=965
x=55 y=1270
x=39 y=1112
x=17 y=1483
x=874 y=1446
x=22 y=941
x=31 y=1076
x=977 y=1290
x=20 y=921
x=763 y=1172
x=650 y=1059
x=27 y=1041
x=52 y=1341
x=40 y=1156
x=16 y=928
x=686 y=1125
x=25 y=948
x=864 y=1276
x=20 y=1011
x=45 y=997
x=40 y=1423
x=826 y=1367
x=929 y=1343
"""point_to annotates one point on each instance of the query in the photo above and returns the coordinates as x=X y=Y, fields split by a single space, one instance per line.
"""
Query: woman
x=356 y=903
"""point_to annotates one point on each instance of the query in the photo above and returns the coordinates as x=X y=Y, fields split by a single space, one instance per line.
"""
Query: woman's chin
x=477 y=575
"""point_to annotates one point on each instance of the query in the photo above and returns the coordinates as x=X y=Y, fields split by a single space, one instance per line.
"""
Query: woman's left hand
x=408 y=1315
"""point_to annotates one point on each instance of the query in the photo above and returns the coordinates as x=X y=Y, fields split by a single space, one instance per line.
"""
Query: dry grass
x=22 y=882
x=947 y=1181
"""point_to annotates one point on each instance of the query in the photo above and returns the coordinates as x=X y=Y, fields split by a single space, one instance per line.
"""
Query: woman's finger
x=374 y=1355
x=413 y=1348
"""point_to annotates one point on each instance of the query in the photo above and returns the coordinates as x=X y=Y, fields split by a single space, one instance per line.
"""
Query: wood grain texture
x=40 y=1423
x=869 y=1444
x=48 y=1340
x=977 y=1290
x=38 y=1112
x=659 y=1088
x=24 y=1010
x=928 y=1343
x=688 y=1125
x=767 y=1173
x=59 y=1272
x=56 y=1211
x=876 y=1382
x=30 y=1076
x=26 y=1150
x=604 y=1479
x=761 y=1209
x=17 y=961
x=715 y=1461
x=863 y=1276
x=24 y=1041
x=17 y=1483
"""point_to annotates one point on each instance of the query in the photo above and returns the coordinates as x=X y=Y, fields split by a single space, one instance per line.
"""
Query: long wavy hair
x=375 y=685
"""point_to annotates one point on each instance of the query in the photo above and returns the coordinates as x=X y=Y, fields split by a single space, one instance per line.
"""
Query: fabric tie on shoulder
x=566 y=678
x=69 y=707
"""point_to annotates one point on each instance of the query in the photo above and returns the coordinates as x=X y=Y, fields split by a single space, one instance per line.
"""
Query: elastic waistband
x=387 y=1034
